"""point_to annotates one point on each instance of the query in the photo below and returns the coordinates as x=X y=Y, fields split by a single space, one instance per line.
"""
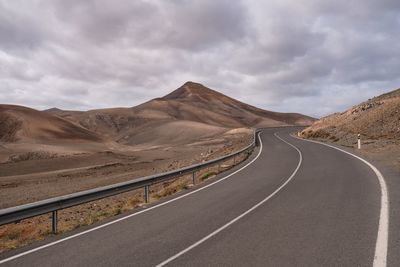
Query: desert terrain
x=42 y=176
x=50 y=153
x=55 y=152
x=22 y=188
x=377 y=120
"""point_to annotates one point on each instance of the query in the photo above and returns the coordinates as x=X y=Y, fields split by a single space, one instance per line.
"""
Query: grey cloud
x=17 y=68
x=277 y=54
x=201 y=24
x=17 y=29
x=189 y=25
x=105 y=21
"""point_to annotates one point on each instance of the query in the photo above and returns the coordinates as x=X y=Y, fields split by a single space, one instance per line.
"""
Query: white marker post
x=359 y=141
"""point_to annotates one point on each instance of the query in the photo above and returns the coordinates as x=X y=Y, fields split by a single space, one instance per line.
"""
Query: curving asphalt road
x=293 y=203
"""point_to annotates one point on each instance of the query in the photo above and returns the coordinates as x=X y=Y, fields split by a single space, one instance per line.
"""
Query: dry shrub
x=316 y=134
x=37 y=228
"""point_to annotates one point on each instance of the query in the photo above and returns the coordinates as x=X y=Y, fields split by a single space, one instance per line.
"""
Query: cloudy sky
x=309 y=56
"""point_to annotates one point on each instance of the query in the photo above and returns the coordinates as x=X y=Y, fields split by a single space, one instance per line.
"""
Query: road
x=292 y=203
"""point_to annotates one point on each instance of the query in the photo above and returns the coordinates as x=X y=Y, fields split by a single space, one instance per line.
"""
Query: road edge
x=182 y=252
x=133 y=214
x=381 y=246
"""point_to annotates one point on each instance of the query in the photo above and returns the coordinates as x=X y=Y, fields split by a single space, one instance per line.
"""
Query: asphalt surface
x=327 y=214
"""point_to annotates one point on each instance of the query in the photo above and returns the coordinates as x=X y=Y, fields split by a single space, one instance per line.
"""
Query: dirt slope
x=19 y=123
x=378 y=122
x=191 y=114
x=376 y=119
x=230 y=112
x=197 y=108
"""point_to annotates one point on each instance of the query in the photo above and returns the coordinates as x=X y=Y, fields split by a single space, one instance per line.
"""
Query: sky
x=309 y=56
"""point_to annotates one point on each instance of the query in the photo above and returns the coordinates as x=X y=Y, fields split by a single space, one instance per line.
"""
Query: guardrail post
x=146 y=194
x=234 y=160
x=19 y=213
x=54 y=221
x=256 y=141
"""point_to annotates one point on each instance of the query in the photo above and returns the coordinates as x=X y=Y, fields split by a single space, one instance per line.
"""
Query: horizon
x=111 y=107
x=310 y=58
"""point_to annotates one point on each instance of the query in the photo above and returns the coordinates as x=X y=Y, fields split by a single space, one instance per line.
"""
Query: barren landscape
x=32 y=187
x=50 y=153
x=199 y=133
x=377 y=120
x=54 y=152
x=42 y=176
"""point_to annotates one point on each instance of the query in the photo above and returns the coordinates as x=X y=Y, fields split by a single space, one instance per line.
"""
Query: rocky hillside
x=28 y=125
x=376 y=119
x=189 y=114
x=216 y=108
x=191 y=111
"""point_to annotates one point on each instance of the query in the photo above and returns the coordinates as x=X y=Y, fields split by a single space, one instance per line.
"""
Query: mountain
x=375 y=119
x=191 y=111
x=19 y=123
x=188 y=114
x=222 y=110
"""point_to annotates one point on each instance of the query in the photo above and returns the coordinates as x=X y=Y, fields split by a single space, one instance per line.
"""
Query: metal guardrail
x=18 y=213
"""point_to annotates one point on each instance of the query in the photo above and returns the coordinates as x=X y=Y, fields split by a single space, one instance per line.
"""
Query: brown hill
x=376 y=119
x=199 y=110
x=19 y=123
x=230 y=112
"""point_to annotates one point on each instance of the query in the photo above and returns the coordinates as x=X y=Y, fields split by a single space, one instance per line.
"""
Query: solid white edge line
x=134 y=214
x=240 y=216
x=381 y=247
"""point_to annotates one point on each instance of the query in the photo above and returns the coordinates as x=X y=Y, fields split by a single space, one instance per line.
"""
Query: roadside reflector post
x=359 y=141
x=54 y=221
x=146 y=194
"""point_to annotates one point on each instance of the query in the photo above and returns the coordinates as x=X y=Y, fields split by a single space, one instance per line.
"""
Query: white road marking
x=240 y=216
x=381 y=247
x=134 y=214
